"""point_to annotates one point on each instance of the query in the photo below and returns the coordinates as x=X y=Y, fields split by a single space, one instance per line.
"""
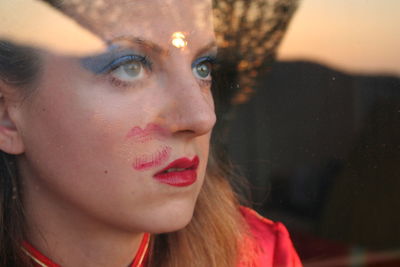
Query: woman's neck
x=92 y=252
x=69 y=237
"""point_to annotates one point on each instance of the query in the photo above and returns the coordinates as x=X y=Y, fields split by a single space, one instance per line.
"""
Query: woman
x=106 y=156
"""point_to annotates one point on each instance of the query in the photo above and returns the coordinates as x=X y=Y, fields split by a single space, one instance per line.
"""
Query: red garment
x=268 y=245
x=39 y=260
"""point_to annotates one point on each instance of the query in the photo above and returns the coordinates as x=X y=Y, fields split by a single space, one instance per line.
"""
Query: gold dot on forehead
x=178 y=40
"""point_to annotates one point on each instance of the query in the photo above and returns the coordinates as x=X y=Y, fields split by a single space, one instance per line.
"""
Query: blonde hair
x=212 y=237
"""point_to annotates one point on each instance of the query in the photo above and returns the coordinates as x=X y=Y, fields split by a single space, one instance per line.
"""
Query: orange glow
x=351 y=35
x=36 y=24
x=179 y=40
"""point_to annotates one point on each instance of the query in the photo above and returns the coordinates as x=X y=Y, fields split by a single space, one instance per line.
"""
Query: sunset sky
x=360 y=36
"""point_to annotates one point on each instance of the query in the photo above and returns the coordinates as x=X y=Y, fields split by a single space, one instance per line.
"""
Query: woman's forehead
x=149 y=19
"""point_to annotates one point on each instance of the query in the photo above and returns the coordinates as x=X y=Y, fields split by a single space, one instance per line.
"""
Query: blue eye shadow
x=208 y=58
x=102 y=63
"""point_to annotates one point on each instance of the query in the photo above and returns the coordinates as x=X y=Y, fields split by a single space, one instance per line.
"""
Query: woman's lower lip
x=180 y=172
x=178 y=178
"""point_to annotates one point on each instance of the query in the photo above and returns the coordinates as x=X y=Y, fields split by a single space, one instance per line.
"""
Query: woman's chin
x=172 y=223
x=157 y=220
x=170 y=228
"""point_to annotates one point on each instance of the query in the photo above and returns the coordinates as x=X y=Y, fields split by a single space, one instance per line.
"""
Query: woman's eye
x=129 y=71
x=202 y=68
x=129 y=68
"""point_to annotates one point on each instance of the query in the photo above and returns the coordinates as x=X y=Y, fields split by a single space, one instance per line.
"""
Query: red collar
x=39 y=260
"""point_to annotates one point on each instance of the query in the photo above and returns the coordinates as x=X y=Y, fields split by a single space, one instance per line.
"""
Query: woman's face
x=122 y=137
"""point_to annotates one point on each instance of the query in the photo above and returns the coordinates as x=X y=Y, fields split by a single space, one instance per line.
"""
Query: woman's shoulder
x=269 y=243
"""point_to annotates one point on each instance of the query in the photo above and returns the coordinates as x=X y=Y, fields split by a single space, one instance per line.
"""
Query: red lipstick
x=152 y=131
x=146 y=162
x=180 y=172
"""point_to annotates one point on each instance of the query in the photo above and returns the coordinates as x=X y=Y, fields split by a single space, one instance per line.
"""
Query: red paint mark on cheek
x=152 y=131
x=146 y=162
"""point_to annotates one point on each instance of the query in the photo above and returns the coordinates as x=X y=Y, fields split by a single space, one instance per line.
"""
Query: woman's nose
x=189 y=107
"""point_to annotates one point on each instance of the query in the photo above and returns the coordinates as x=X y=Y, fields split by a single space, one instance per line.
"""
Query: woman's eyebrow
x=137 y=41
x=156 y=48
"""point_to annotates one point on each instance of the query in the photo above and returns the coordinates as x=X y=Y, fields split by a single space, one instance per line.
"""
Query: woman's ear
x=10 y=138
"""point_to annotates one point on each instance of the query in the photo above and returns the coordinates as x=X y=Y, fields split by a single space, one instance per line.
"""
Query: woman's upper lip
x=182 y=163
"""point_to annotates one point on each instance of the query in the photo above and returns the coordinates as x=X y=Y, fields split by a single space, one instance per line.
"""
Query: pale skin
x=85 y=204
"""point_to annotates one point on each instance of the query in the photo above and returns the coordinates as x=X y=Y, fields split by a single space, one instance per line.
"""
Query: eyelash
x=208 y=59
x=126 y=59
x=118 y=83
x=147 y=63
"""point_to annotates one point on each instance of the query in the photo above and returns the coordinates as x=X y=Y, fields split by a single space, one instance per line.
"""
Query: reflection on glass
x=35 y=23
x=178 y=40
